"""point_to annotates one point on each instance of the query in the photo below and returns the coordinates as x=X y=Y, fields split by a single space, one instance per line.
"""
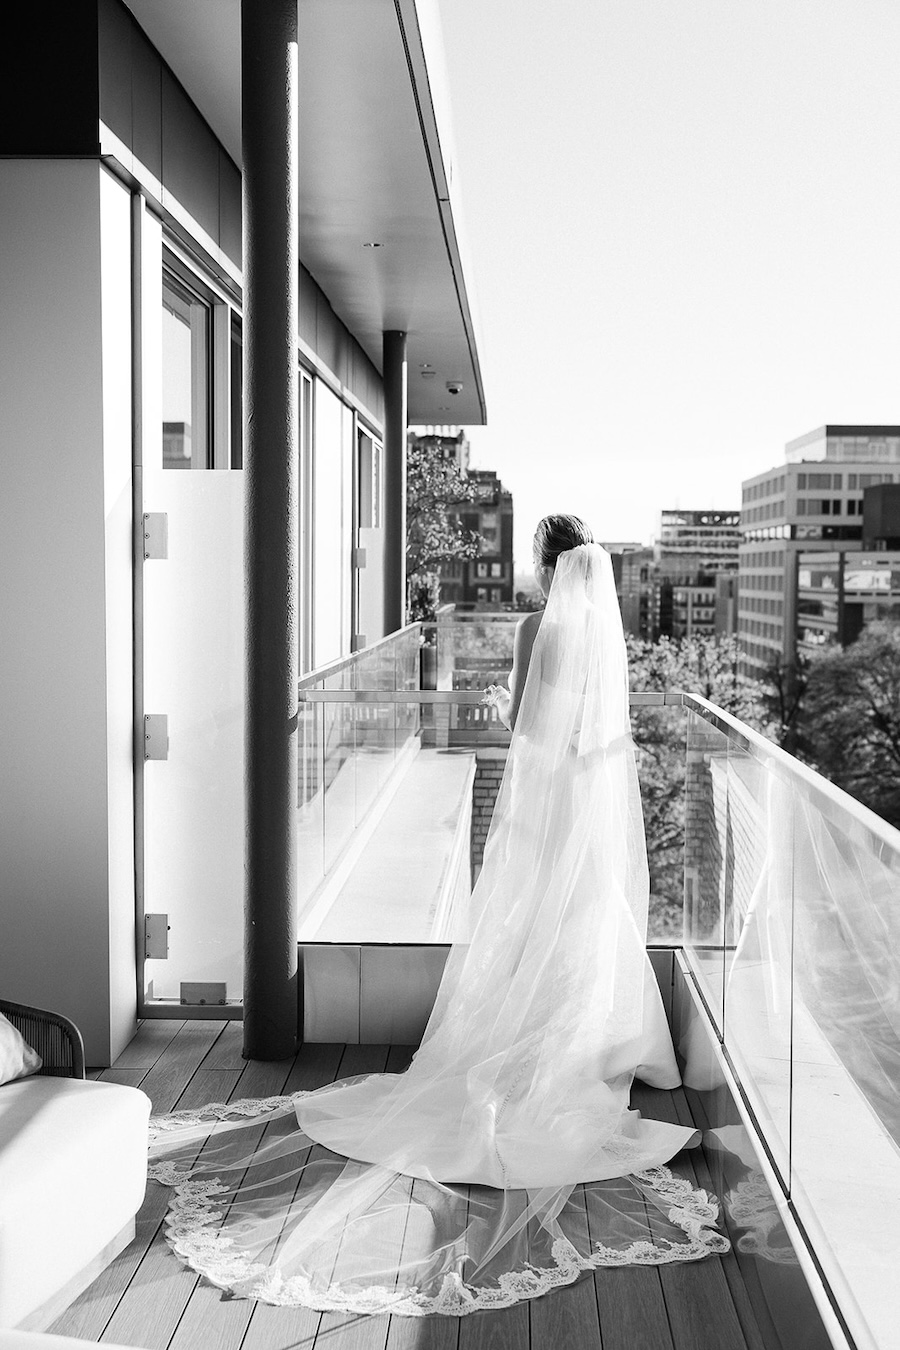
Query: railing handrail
x=341 y=662
x=481 y=616
x=468 y=696
x=834 y=803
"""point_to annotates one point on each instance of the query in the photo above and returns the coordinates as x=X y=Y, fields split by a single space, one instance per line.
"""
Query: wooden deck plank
x=740 y=1295
x=418 y=1333
x=348 y=1331
x=426 y=1333
x=630 y=1304
x=134 y=1311
x=505 y=1329
x=281 y=1328
x=271 y=1328
x=150 y=1040
x=227 y=1051
x=698 y=1298
x=149 y=1311
x=315 y=1066
x=150 y=1255
x=89 y=1315
x=212 y=1319
x=129 y=1077
x=261 y=1078
x=170 y=1075
x=569 y=1316
x=632 y=1309
x=147 y=1298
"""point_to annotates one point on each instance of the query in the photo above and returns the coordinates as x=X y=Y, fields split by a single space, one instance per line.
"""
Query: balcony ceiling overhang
x=376 y=167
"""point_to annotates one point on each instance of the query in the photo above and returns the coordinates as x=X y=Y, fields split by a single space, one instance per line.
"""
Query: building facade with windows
x=839 y=593
x=125 y=335
x=639 y=593
x=670 y=589
x=693 y=549
x=813 y=502
x=487 y=580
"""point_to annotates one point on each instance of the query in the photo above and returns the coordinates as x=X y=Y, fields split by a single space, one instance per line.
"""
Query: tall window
x=369 y=484
x=237 y=375
x=186 y=382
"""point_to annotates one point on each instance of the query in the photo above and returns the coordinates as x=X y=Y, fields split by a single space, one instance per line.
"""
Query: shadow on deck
x=147 y=1298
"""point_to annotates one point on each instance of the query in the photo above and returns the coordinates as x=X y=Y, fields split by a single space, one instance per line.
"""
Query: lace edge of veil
x=193 y=1214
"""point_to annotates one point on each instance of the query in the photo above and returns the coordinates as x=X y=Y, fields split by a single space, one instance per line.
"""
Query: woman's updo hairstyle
x=557 y=534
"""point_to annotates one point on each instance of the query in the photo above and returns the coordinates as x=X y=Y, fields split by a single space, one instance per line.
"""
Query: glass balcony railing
x=789 y=920
x=792 y=934
x=472 y=649
x=350 y=749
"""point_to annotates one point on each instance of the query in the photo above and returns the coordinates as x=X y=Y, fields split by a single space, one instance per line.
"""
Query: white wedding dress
x=505 y=1161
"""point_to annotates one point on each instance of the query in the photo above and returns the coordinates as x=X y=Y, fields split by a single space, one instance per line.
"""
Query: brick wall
x=708 y=857
x=490 y=761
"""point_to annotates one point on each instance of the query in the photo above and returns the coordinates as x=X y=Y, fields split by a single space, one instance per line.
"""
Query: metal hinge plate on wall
x=156 y=736
x=156 y=937
x=156 y=534
x=203 y=995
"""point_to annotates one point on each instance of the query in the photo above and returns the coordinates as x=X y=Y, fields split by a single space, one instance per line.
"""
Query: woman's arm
x=507 y=701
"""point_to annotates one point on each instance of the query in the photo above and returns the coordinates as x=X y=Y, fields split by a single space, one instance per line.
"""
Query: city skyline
x=680 y=228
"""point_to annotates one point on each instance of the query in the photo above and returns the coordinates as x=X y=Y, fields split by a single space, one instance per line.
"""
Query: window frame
x=221 y=407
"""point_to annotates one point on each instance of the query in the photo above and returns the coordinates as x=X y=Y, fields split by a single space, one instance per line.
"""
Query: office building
x=485 y=581
x=639 y=593
x=812 y=502
x=840 y=592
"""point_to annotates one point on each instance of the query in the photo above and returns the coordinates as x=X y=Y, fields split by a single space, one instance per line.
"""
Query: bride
x=505 y=1160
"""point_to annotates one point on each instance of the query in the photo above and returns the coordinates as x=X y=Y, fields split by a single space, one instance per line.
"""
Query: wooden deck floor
x=147 y=1298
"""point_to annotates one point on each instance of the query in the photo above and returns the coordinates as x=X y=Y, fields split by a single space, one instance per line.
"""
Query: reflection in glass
x=330 y=547
x=237 y=376
x=758 y=1024
x=708 y=857
x=846 y=956
x=185 y=377
x=349 y=752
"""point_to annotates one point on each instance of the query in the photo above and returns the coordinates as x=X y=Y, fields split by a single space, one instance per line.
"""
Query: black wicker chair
x=56 y=1039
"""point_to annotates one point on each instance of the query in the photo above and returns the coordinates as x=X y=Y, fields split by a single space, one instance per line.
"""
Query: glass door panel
x=193 y=673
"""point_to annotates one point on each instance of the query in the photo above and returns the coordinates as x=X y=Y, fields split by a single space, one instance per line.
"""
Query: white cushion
x=42 y=1340
x=73 y=1165
x=17 y=1059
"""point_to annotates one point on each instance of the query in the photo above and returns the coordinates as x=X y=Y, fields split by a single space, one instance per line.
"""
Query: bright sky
x=685 y=242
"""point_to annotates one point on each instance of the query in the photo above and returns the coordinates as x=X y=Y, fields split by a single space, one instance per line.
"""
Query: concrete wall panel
x=54 y=808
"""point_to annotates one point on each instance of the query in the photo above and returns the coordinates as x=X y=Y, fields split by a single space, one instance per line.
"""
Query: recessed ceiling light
x=372 y=244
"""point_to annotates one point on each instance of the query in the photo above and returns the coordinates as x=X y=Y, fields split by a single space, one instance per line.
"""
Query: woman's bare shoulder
x=526 y=632
x=530 y=623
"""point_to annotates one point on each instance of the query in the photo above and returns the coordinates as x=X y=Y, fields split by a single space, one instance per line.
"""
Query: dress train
x=505 y=1160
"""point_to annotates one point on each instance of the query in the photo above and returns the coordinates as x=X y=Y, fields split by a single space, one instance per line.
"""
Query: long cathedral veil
x=505 y=1160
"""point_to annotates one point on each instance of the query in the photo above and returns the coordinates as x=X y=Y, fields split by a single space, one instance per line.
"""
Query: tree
x=435 y=535
x=852 y=718
x=706 y=665
x=785 y=685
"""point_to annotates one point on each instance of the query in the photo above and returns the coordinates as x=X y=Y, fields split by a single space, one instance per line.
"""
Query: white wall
x=116 y=325
x=66 y=885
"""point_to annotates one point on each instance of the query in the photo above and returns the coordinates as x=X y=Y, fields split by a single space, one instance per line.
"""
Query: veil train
x=505 y=1161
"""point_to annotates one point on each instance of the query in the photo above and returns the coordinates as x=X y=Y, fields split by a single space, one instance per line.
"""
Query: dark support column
x=271 y=440
x=394 y=372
